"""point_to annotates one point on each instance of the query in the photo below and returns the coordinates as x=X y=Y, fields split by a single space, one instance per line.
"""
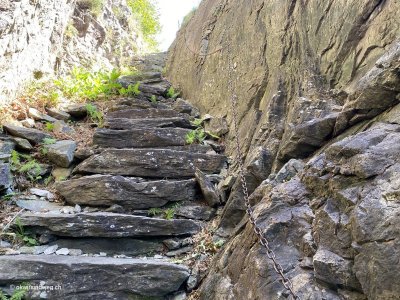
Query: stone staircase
x=115 y=248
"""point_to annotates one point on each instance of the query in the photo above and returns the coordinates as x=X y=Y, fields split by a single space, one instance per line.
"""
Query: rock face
x=152 y=163
x=319 y=82
x=130 y=193
x=104 y=278
x=52 y=37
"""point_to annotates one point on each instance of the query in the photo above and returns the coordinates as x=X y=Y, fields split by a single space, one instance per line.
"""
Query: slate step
x=112 y=246
x=104 y=224
x=140 y=138
x=124 y=123
x=145 y=113
x=87 y=278
x=128 y=192
x=151 y=163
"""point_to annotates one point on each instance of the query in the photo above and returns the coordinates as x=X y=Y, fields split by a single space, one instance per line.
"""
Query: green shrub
x=86 y=85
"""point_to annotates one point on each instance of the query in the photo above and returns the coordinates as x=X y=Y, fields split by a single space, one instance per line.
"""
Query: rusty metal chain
x=249 y=209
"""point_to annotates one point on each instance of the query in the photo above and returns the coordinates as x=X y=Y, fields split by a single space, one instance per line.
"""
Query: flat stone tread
x=144 y=113
x=140 y=138
x=125 y=123
x=128 y=192
x=94 y=277
x=151 y=163
x=105 y=224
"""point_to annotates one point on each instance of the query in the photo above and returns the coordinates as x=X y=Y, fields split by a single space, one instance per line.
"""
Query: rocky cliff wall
x=45 y=37
x=318 y=83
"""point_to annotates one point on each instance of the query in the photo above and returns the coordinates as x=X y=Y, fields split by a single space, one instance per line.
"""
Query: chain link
x=249 y=209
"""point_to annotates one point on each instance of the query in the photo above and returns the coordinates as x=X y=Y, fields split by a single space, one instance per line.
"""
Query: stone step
x=151 y=163
x=145 y=113
x=128 y=192
x=112 y=246
x=93 y=277
x=104 y=224
x=140 y=138
x=124 y=123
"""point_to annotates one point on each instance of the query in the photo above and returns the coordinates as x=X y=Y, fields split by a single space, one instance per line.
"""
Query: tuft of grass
x=153 y=99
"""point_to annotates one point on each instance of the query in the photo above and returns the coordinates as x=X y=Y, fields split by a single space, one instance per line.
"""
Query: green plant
x=169 y=213
x=95 y=115
x=153 y=99
x=22 y=235
x=172 y=93
x=18 y=294
x=82 y=84
x=132 y=90
x=49 y=126
x=155 y=211
x=145 y=11
x=71 y=30
x=25 y=165
x=212 y=135
x=197 y=122
x=45 y=142
x=196 y=135
x=8 y=196
x=48 y=180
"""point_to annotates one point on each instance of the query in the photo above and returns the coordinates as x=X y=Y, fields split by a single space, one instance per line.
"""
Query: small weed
x=21 y=234
x=48 y=180
x=172 y=93
x=49 y=126
x=132 y=90
x=18 y=294
x=46 y=141
x=196 y=135
x=197 y=122
x=169 y=213
x=155 y=211
x=8 y=197
x=25 y=165
x=153 y=99
x=211 y=135
x=95 y=115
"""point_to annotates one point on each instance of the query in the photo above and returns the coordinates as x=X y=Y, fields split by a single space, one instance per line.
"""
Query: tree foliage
x=148 y=17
